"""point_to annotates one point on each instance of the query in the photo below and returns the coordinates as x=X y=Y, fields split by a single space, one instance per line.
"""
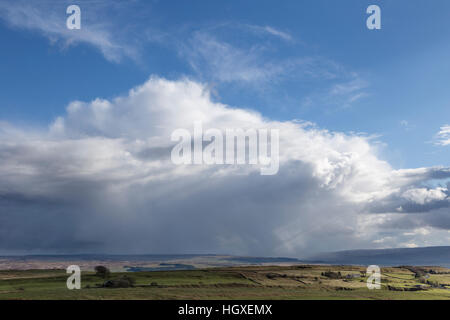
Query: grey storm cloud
x=100 y=179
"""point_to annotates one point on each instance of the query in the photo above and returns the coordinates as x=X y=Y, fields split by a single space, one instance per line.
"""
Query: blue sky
x=312 y=61
x=400 y=72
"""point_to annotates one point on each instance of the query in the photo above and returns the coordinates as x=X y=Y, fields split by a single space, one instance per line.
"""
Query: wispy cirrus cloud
x=442 y=138
x=268 y=30
x=97 y=29
x=218 y=60
x=350 y=91
x=210 y=52
x=223 y=62
x=260 y=62
x=341 y=90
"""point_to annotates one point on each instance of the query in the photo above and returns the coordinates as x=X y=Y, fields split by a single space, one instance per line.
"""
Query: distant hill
x=146 y=262
x=430 y=256
x=436 y=256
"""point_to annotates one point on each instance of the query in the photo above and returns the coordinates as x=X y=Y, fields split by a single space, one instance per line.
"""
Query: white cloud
x=49 y=19
x=221 y=61
x=409 y=245
x=418 y=231
x=216 y=60
x=271 y=31
x=101 y=179
x=423 y=195
x=443 y=136
x=350 y=91
x=350 y=87
x=383 y=240
x=339 y=89
x=278 y=33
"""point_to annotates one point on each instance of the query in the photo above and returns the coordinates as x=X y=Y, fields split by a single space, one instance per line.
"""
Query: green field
x=255 y=282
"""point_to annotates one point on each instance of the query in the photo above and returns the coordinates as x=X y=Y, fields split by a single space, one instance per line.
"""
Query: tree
x=102 y=271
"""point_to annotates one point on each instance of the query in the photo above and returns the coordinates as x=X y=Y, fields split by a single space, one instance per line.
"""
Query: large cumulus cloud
x=100 y=179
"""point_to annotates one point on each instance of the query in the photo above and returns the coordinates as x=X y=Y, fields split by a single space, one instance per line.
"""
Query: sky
x=86 y=118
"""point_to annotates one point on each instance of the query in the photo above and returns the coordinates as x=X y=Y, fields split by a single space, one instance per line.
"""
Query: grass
x=253 y=283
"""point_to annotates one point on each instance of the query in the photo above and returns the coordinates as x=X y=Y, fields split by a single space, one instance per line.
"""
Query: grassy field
x=256 y=282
